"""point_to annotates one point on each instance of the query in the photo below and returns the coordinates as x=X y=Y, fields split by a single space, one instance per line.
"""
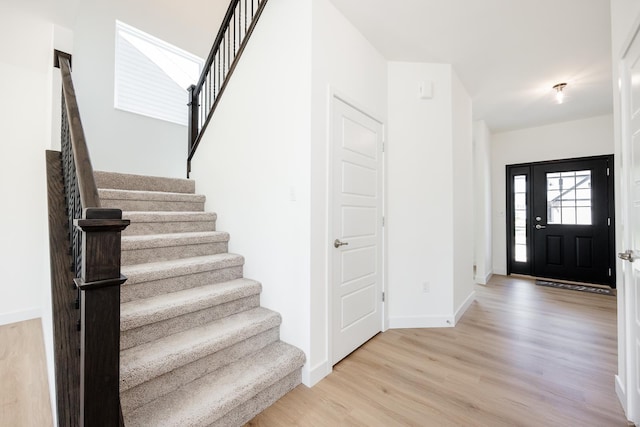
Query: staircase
x=196 y=347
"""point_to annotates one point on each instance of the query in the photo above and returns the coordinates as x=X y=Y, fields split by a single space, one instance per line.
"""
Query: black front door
x=567 y=232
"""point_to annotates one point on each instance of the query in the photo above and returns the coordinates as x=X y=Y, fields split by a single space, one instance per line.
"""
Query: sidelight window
x=520 y=212
x=569 y=197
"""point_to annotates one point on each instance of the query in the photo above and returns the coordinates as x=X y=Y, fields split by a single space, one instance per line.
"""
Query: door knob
x=337 y=243
x=540 y=227
x=626 y=255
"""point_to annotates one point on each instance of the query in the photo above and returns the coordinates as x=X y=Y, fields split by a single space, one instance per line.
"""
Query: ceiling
x=507 y=53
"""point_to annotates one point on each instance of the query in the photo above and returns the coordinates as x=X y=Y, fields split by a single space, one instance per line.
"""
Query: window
x=569 y=197
x=520 y=213
x=152 y=76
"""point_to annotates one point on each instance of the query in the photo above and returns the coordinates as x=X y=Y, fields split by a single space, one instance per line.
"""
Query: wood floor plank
x=24 y=389
x=522 y=355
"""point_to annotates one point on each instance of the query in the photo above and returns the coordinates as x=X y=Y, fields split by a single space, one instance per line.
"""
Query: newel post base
x=99 y=286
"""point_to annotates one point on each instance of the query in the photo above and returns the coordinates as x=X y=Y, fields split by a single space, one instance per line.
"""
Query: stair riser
x=152 y=205
x=146 y=228
x=143 y=183
x=142 y=256
x=245 y=412
x=139 y=290
x=147 y=333
x=166 y=383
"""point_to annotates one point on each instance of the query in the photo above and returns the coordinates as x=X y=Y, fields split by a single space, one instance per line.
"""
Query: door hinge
x=607 y=171
x=609 y=271
x=609 y=222
x=383 y=221
x=383 y=147
x=383 y=297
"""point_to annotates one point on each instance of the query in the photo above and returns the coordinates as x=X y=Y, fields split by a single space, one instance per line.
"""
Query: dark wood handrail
x=87 y=383
x=86 y=183
x=216 y=74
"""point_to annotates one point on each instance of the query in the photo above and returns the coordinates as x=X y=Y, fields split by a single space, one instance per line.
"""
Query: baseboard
x=20 y=316
x=483 y=280
x=408 y=322
x=620 y=392
x=312 y=376
x=464 y=306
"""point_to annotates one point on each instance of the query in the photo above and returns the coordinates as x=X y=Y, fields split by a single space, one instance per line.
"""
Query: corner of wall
x=464 y=306
x=312 y=376
x=484 y=278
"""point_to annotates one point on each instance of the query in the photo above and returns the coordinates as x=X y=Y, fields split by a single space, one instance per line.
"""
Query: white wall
x=25 y=67
x=579 y=138
x=424 y=155
x=121 y=141
x=463 y=212
x=269 y=138
x=253 y=163
x=25 y=83
x=344 y=62
x=482 y=202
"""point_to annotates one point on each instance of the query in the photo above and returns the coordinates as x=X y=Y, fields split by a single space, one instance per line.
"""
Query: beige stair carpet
x=196 y=347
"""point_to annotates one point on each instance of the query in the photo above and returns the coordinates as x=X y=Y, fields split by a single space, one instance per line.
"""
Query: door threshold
x=570 y=282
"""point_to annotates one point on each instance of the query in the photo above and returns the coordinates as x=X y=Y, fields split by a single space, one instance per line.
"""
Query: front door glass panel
x=569 y=198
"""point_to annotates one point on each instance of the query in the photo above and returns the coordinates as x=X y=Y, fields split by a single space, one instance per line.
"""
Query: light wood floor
x=522 y=355
x=24 y=389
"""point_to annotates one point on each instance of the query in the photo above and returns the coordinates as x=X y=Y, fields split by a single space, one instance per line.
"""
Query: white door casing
x=630 y=133
x=356 y=222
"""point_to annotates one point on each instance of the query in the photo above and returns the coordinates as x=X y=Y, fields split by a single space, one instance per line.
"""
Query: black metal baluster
x=228 y=45
x=212 y=86
x=206 y=94
x=236 y=29
x=213 y=76
x=201 y=111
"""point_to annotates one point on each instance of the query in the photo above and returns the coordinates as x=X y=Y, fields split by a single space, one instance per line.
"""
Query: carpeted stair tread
x=209 y=398
x=133 y=200
x=164 y=269
x=123 y=181
x=138 y=313
x=111 y=194
x=173 y=239
x=168 y=216
x=144 y=362
x=167 y=222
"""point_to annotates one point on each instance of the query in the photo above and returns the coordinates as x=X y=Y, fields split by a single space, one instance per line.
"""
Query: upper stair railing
x=235 y=31
x=85 y=237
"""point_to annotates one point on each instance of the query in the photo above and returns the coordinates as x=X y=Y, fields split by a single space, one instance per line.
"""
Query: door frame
x=527 y=169
x=335 y=95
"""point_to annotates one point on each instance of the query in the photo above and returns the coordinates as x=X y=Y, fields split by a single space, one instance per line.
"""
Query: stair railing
x=237 y=26
x=87 y=383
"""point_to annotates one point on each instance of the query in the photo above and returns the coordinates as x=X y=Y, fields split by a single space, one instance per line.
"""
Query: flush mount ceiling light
x=559 y=92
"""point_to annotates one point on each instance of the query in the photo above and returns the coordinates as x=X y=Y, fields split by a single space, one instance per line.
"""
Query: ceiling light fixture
x=559 y=92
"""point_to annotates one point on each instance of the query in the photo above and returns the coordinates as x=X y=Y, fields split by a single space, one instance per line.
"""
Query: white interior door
x=630 y=95
x=356 y=239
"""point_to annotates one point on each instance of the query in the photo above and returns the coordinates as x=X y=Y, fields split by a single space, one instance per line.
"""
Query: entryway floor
x=522 y=355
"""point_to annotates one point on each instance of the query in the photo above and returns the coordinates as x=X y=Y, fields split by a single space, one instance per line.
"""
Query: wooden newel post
x=99 y=286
